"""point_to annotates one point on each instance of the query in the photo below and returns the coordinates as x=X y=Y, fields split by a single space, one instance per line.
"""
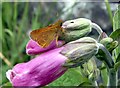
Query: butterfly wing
x=43 y=38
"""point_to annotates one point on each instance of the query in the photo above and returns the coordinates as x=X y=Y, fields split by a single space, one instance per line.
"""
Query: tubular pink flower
x=32 y=48
x=40 y=71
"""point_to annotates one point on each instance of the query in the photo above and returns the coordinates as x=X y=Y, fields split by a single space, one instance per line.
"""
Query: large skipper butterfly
x=44 y=36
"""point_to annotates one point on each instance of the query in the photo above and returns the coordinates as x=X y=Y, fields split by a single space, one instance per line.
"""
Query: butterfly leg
x=56 y=40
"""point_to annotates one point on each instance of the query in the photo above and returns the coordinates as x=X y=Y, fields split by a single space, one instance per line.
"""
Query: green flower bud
x=90 y=70
x=94 y=75
x=109 y=43
x=80 y=51
x=106 y=41
x=75 y=29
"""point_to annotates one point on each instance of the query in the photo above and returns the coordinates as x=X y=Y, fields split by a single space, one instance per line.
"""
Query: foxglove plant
x=43 y=69
x=50 y=65
x=39 y=71
x=53 y=61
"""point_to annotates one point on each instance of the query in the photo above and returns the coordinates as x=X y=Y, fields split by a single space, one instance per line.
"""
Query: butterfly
x=44 y=36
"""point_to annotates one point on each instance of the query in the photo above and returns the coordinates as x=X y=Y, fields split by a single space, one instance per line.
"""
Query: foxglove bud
x=109 y=43
x=90 y=70
x=80 y=51
x=94 y=75
x=75 y=29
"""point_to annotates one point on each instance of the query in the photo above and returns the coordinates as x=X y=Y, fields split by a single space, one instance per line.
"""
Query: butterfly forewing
x=45 y=36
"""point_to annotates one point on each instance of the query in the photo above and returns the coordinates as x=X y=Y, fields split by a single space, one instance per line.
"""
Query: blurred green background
x=19 y=18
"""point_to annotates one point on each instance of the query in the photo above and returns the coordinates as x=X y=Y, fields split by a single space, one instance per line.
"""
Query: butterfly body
x=44 y=36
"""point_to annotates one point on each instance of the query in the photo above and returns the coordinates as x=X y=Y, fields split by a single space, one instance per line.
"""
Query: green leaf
x=3 y=75
x=116 y=19
x=116 y=26
x=118 y=58
x=7 y=13
x=104 y=76
x=8 y=84
x=109 y=10
x=117 y=64
x=0 y=22
x=85 y=84
x=115 y=35
x=71 y=78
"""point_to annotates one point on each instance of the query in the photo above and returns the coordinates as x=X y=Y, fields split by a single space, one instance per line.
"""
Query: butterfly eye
x=71 y=22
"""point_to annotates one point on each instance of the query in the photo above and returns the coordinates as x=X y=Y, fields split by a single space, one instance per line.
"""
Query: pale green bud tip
x=76 y=23
x=109 y=43
x=80 y=51
x=75 y=29
x=90 y=70
x=106 y=41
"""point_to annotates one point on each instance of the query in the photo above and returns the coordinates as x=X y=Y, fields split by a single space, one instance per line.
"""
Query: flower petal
x=32 y=47
x=40 y=71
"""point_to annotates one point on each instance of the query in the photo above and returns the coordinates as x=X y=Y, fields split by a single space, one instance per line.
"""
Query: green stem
x=112 y=79
x=97 y=27
x=112 y=74
x=108 y=60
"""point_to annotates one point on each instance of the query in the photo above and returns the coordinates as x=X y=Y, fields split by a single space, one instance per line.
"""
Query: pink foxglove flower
x=41 y=70
x=32 y=48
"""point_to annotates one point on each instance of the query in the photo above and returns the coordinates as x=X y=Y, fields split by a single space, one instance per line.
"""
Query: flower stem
x=112 y=79
x=99 y=30
x=108 y=60
x=112 y=74
x=97 y=27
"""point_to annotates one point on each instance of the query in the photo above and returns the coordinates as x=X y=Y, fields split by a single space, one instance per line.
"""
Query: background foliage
x=19 y=18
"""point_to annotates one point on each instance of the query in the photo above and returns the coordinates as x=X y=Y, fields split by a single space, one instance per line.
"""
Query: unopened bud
x=94 y=75
x=109 y=43
x=75 y=29
x=80 y=51
x=89 y=70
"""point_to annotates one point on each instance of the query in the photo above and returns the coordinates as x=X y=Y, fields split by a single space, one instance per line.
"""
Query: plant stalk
x=112 y=74
x=108 y=60
x=98 y=28
x=112 y=78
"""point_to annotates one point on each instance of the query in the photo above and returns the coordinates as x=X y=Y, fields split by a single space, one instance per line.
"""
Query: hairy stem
x=108 y=60
x=112 y=74
x=112 y=79
x=98 y=28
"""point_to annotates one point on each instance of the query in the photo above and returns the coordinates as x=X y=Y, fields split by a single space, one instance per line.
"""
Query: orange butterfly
x=44 y=36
